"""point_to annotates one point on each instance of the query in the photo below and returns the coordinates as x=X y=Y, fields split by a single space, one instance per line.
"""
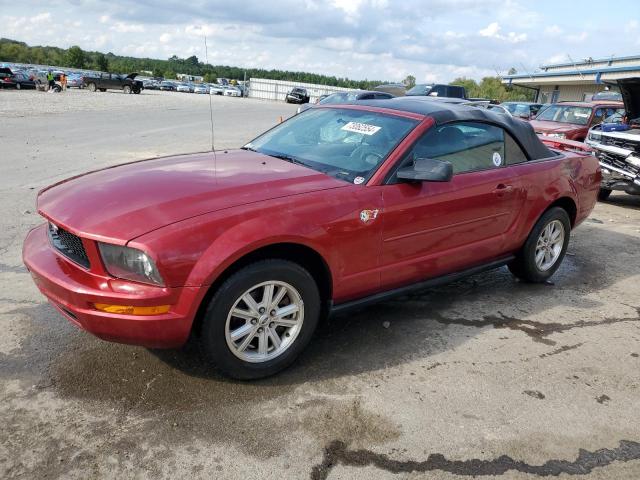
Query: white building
x=576 y=81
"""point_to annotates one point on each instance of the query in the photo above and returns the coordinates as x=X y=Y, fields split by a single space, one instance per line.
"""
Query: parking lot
x=485 y=377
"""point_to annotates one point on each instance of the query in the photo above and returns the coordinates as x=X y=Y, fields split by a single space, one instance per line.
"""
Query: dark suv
x=113 y=81
x=297 y=95
x=437 y=90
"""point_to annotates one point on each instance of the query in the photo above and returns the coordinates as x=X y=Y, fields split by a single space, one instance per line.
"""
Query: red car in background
x=572 y=120
x=340 y=206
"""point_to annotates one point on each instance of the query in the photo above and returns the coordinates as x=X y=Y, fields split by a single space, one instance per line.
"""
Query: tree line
x=75 y=57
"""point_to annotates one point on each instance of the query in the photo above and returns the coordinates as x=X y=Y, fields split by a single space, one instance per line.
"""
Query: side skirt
x=415 y=287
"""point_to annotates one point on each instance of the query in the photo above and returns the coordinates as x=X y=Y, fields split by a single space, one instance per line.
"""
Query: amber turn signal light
x=132 y=310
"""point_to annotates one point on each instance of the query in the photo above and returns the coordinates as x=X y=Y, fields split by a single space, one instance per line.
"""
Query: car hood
x=630 y=89
x=132 y=76
x=120 y=203
x=554 y=127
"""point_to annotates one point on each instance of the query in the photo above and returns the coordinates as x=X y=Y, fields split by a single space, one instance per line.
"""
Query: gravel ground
x=486 y=377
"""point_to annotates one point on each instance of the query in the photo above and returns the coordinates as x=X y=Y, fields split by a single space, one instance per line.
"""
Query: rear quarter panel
x=569 y=175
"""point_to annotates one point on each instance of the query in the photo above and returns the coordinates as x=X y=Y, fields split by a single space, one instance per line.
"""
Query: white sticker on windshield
x=581 y=115
x=358 y=180
x=363 y=128
x=497 y=159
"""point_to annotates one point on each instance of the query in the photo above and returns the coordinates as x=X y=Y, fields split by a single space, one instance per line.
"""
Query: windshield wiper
x=251 y=149
x=287 y=158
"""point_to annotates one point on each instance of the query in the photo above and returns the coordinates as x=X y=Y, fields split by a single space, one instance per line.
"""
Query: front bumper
x=614 y=178
x=74 y=290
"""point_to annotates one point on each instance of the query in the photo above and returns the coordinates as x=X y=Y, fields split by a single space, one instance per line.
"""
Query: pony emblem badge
x=367 y=216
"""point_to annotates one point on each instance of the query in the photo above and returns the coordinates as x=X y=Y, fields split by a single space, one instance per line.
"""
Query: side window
x=513 y=152
x=438 y=91
x=468 y=146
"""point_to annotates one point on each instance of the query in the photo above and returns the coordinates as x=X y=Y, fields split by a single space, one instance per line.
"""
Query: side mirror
x=426 y=170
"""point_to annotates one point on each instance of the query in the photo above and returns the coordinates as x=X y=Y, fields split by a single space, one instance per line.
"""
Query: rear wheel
x=261 y=318
x=545 y=247
x=603 y=194
x=92 y=87
x=18 y=86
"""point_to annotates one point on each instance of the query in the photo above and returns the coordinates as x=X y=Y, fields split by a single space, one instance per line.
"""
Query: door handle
x=503 y=189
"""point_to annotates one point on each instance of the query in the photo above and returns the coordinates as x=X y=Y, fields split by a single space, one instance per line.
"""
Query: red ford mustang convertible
x=339 y=206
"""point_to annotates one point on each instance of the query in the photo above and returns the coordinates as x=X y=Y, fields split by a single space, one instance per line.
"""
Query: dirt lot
x=485 y=377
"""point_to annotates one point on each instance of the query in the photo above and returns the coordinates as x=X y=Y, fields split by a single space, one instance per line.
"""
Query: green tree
x=409 y=81
x=102 y=63
x=75 y=57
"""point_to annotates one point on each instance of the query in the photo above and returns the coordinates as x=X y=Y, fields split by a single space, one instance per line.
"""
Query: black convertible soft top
x=445 y=111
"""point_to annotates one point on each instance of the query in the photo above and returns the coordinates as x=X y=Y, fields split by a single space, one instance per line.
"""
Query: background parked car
x=18 y=80
x=216 y=89
x=75 y=80
x=167 y=86
x=572 y=120
x=231 y=91
x=524 y=110
x=347 y=97
x=200 y=89
x=183 y=87
x=297 y=95
x=114 y=81
x=437 y=90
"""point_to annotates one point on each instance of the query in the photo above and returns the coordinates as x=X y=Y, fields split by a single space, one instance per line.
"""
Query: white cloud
x=165 y=38
x=491 y=30
x=553 y=30
x=123 y=27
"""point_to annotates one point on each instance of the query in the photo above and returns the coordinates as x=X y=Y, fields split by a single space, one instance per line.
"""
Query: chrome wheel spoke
x=263 y=342
x=275 y=339
x=245 y=343
x=549 y=245
x=286 y=311
x=278 y=298
x=244 y=314
x=250 y=302
x=284 y=322
x=267 y=295
x=242 y=331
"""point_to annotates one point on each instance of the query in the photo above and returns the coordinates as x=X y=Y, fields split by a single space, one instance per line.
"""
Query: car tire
x=103 y=89
x=126 y=89
x=18 y=87
x=256 y=352
x=603 y=194
x=92 y=87
x=543 y=251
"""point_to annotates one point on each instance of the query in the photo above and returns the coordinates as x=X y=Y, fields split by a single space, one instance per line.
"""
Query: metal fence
x=277 y=89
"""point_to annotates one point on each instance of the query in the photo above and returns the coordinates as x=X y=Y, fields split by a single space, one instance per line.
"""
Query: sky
x=436 y=41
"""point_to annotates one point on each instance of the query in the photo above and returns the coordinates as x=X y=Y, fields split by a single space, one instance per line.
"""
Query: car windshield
x=419 y=90
x=518 y=109
x=566 y=114
x=342 y=97
x=344 y=143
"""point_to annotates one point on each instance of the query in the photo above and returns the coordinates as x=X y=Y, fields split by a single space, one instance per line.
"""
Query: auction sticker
x=358 y=180
x=497 y=159
x=363 y=128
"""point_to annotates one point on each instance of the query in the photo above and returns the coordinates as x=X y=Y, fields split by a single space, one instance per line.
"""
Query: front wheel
x=261 y=319
x=92 y=87
x=126 y=89
x=545 y=247
x=18 y=86
x=603 y=194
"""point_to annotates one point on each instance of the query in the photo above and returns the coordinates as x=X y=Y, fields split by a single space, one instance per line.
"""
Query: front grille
x=621 y=143
x=69 y=245
x=618 y=162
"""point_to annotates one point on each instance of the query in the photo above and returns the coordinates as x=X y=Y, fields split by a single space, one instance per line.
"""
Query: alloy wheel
x=549 y=245
x=264 y=321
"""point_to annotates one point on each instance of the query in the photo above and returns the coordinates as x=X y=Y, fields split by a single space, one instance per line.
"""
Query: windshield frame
x=416 y=118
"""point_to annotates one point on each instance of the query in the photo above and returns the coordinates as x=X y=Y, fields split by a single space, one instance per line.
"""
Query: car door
x=434 y=228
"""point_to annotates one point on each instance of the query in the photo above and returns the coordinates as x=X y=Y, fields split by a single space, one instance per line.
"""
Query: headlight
x=595 y=136
x=556 y=135
x=129 y=264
